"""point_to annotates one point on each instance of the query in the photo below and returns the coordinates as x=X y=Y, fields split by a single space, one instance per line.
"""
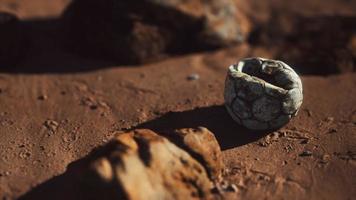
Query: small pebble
x=309 y=112
x=305 y=141
x=224 y=185
x=306 y=153
x=51 y=125
x=193 y=77
x=232 y=188
x=93 y=107
x=325 y=159
x=42 y=97
x=333 y=130
x=216 y=190
x=329 y=119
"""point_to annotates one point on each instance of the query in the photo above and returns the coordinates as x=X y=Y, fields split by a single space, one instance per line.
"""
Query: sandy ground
x=57 y=107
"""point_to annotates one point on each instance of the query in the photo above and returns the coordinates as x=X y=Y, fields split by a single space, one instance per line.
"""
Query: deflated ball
x=262 y=94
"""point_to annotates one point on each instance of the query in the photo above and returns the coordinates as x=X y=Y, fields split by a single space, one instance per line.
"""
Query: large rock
x=143 y=165
x=142 y=30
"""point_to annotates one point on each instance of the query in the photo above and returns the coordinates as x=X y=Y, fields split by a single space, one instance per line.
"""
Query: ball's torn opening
x=263 y=69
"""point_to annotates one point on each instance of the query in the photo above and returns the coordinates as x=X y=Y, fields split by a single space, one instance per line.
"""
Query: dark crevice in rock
x=144 y=150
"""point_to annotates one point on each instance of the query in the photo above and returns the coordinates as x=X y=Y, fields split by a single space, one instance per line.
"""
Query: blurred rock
x=143 y=165
x=321 y=45
x=139 y=31
x=313 y=45
x=12 y=40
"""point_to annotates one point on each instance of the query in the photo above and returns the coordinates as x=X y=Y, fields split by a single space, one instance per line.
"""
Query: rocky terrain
x=68 y=119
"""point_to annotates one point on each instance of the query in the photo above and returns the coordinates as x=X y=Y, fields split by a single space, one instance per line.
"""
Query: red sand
x=52 y=118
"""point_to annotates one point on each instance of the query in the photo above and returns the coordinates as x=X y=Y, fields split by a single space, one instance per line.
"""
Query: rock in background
x=138 y=31
x=12 y=40
x=320 y=44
